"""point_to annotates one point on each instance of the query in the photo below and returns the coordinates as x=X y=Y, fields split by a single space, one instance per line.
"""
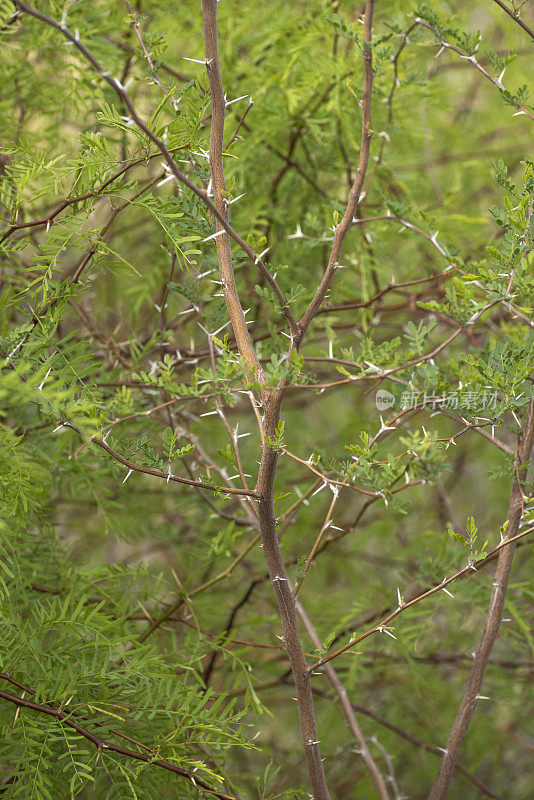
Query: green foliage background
x=86 y=557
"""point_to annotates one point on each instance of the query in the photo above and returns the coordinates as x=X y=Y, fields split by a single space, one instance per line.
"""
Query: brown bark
x=493 y=619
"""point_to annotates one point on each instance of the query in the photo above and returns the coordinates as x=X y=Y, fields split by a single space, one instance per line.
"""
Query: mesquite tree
x=267 y=402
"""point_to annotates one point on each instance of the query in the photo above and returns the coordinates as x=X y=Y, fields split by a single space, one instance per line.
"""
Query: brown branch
x=325 y=479
x=176 y=606
x=101 y=744
x=393 y=287
x=287 y=609
x=313 y=552
x=381 y=627
x=212 y=657
x=240 y=122
x=180 y=176
x=267 y=473
x=158 y=473
x=347 y=708
x=389 y=100
x=294 y=137
x=409 y=737
x=75 y=272
x=224 y=254
x=129 y=49
x=494 y=616
x=69 y=201
x=135 y=26
x=356 y=190
x=516 y=18
x=370 y=616
x=471 y=58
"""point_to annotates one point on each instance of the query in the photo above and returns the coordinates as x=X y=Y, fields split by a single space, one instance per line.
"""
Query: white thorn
x=40 y=387
x=229 y=202
x=214 y=235
x=231 y=102
x=165 y=180
x=197 y=60
x=298 y=234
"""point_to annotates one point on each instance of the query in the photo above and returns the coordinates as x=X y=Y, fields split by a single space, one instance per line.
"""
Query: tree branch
x=516 y=18
x=347 y=709
x=287 y=610
x=224 y=253
x=100 y=744
x=472 y=567
x=494 y=616
x=355 y=192
x=180 y=176
x=158 y=473
x=496 y=81
x=409 y=737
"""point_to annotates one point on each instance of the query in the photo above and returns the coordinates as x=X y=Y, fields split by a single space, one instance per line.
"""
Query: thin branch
x=409 y=737
x=75 y=272
x=180 y=176
x=135 y=26
x=162 y=65
x=101 y=744
x=393 y=287
x=356 y=190
x=496 y=81
x=158 y=473
x=69 y=201
x=516 y=18
x=212 y=657
x=370 y=616
x=324 y=527
x=328 y=481
x=174 y=607
x=241 y=122
x=347 y=708
x=224 y=253
x=380 y=628
x=494 y=616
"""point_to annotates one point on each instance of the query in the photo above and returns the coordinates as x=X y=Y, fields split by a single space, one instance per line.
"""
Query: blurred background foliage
x=126 y=337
